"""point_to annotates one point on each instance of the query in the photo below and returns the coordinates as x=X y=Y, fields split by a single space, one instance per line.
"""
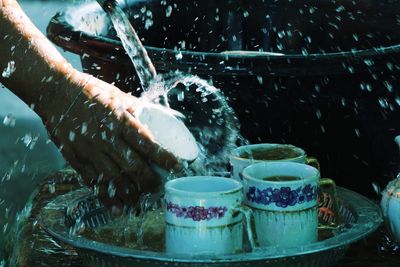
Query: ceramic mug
x=204 y=214
x=283 y=197
x=244 y=156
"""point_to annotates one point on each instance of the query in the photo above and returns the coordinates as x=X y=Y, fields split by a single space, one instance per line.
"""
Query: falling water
x=204 y=108
x=210 y=118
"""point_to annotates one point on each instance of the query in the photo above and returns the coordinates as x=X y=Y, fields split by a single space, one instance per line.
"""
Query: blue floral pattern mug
x=285 y=211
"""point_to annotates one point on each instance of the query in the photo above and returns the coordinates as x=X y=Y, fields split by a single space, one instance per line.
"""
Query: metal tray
x=360 y=217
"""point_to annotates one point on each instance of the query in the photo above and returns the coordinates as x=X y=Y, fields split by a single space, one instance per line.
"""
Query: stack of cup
x=274 y=186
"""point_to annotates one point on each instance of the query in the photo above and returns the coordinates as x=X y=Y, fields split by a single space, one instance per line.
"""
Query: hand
x=98 y=135
x=89 y=120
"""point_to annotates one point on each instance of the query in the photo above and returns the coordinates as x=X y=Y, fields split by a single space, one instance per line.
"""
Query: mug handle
x=328 y=206
x=249 y=222
x=313 y=162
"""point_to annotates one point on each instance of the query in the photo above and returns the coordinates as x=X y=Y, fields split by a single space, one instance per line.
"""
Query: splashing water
x=206 y=112
x=145 y=205
x=203 y=108
x=9 y=70
x=9 y=120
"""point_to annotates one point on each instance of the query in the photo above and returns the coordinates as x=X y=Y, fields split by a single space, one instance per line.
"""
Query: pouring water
x=203 y=107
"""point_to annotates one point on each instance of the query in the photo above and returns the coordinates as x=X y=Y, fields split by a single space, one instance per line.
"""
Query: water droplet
x=71 y=136
x=178 y=56
x=27 y=139
x=369 y=62
x=84 y=128
x=357 y=131
x=260 y=79
x=340 y=9
x=388 y=86
x=389 y=65
x=103 y=135
x=397 y=101
x=383 y=103
x=318 y=113
x=148 y=23
x=9 y=120
x=168 y=11
x=9 y=70
x=111 y=190
x=281 y=34
x=52 y=187
x=183 y=44
x=181 y=96
x=351 y=69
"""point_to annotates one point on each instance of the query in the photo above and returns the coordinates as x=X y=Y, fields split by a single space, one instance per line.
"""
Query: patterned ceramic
x=203 y=215
x=390 y=204
x=238 y=163
x=285 y=212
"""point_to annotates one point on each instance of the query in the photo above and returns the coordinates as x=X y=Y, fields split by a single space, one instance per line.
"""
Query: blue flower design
x=282 y=197
x=310 y=192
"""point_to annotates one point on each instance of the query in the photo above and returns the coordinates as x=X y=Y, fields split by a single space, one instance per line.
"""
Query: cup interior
x=266 y=152
x=260 y=171
x=203 y=185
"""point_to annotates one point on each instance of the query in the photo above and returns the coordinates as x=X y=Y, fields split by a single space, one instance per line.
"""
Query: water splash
x=9 y=70
x=206 y=111
x=133 y=46
x=145 y=205
x=9 y=120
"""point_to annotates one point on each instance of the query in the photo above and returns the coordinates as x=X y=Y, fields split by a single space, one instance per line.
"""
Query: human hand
x=98 y=135
x=89 y=120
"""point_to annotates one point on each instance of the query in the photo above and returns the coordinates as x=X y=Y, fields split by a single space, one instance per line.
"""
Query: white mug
x=203 y=216
x=243 y=156
x=285 y=209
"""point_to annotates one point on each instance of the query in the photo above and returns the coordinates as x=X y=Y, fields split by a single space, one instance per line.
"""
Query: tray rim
x=368 y=213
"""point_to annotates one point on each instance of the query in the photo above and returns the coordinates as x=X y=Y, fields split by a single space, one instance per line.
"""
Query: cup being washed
x=244 y=156
x=203 y=216
x=283 y=197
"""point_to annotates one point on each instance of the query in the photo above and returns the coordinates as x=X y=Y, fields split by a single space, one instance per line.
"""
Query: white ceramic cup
x=242 y=157
x=285 y=212
x=203 y=216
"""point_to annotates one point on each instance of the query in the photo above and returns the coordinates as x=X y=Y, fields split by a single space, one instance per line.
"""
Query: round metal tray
x=360 y=217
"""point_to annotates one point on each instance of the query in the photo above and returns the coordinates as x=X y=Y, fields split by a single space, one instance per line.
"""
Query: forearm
x=39 y=68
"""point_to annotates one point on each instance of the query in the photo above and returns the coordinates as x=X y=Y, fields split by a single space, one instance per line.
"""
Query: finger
x=133 y=167
x=82 y=166
x=137 y=136
x=110 y=201
x=127 y=190
x=136 y=175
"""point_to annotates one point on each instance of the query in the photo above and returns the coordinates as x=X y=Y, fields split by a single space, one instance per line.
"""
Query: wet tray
x=79 y=211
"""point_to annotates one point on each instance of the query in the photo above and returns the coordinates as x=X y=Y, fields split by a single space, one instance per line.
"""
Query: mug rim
x=308 y=179
x=169 y=186
x=233 y=154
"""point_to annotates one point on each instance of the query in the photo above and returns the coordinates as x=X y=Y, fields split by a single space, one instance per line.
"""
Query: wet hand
x=98 y=135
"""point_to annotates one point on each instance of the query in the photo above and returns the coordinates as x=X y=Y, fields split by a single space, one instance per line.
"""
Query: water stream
x=205 y=110
x=202 y=106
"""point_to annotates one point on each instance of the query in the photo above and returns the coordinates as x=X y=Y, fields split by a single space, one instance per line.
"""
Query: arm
x=89 y=120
